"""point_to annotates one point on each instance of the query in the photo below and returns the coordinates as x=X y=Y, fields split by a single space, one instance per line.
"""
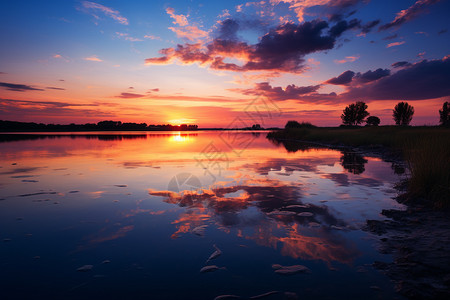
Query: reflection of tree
x=353 y=162
x=292 y=146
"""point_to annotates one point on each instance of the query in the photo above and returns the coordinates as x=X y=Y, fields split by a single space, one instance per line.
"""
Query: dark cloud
x=26 y=108
x=342 y=26
x=61 y=80
x=1 y=73
x=420 y=81
x=130 y=95
x=372 y=75
x=343 y=79
x=153 y=90
x=18 y=87
x=228 y=30
x=366 y=28
x=350 y=77
x=55 y=88
x=442 y=31
x=281 y=49
x=278 y=93
x=390 y=37
x=408 y=14
x=400 y=64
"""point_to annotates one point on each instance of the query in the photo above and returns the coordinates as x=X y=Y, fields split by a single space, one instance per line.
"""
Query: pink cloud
x=178 y=19
x=395 y=44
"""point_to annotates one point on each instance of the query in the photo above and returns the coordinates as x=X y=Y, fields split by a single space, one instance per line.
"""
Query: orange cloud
x=93 y=58
x=347 y=59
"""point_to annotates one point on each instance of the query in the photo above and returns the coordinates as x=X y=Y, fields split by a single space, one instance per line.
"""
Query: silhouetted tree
x=355 y=113
x=444 y=114
x=373 y=121
x=292 y=124
x=403 y=113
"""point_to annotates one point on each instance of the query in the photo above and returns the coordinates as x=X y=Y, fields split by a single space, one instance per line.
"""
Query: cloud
x=130 y=95
x=114 y=14
x=151 y=37
x=395 y=44
x=371 y=75
x=178 y=19
x=419 y=81
x=55 y=88
x=184 y=30
x=342 y=26
x=390 y=37
x=127 y=37
x=18 y=87
x=300 y=7
x=25 y=109
x=442 y=31
x=408 y=14
x=400 y=64
x=278 y=93
x=350 y=77
x=343 y=79
x=191 y=33
x=1 y=73
x=282 y=49
x=93 y=58
x=369 y=26
x=347 y=59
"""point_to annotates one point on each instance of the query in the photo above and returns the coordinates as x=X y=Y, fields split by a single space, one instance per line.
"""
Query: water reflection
x=305 y=231
x=143 y=203
x=353 y=162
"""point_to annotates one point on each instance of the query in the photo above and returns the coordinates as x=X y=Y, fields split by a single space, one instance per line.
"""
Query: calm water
x=142 y=212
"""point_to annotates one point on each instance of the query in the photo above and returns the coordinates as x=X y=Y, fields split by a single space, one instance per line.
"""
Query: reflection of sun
x=179 y=138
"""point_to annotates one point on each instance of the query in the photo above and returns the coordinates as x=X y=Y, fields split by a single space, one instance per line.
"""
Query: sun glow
x=180 y=137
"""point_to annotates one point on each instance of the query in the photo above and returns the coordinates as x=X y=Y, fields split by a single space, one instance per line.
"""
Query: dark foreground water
x=137 y=215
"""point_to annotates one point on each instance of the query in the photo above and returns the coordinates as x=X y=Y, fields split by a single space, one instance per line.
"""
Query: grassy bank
x=425 y=149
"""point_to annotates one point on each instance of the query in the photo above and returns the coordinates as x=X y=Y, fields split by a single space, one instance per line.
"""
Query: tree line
x=100 y=126
x=356 y=113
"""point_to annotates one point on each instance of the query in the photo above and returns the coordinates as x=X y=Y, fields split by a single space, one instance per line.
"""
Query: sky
x=222 y=63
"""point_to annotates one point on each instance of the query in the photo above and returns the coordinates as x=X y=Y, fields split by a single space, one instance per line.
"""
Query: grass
x=425 y=149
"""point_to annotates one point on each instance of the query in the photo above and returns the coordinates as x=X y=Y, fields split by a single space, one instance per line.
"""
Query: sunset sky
x=210 y=62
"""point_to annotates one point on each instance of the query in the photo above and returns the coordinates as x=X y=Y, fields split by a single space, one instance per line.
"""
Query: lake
x=136 y=215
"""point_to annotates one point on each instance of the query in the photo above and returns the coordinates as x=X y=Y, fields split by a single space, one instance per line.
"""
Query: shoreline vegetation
x=419 y=237
x=14 y=126
x=425 y=149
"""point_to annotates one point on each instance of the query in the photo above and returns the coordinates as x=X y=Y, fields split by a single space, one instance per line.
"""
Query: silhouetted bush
x=373 y=121
x=444 y=114
x=403 y=113
x=295 y=124
x=354 y=114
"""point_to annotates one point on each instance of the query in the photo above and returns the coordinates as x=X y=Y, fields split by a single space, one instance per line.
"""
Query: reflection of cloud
x=340 y=179
x=279 y=207
x=326 y=247
x=121 y=232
